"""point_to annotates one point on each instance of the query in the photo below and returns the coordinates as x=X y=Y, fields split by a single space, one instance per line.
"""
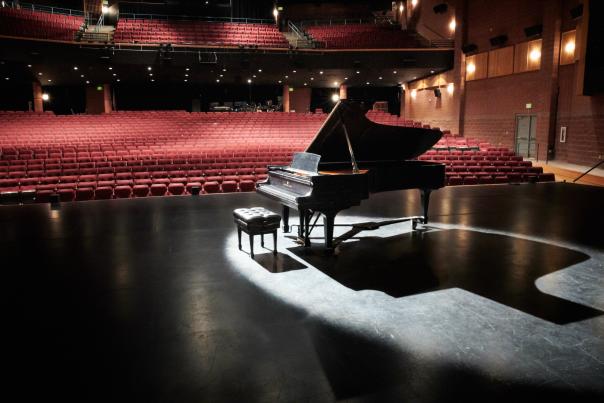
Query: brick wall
x=440 y=112
x=584 y=119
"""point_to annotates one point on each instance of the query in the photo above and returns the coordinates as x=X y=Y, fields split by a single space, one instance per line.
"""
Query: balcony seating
x=362 y=36
x=40 y=25
x=185 y=32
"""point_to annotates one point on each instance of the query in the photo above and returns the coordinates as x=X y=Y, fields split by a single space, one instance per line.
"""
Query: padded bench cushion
x=257 y=218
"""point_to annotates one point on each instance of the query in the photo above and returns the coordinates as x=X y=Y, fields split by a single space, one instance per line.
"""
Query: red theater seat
x=158 y=189
x=140 y=190
x=103 y=192
x=229 y=186
x=84 y=194
x=247 y=186
x=176 y=188
x=122 y=191
x=211 y=187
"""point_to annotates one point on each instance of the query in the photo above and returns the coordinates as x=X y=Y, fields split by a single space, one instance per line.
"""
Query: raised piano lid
x=370 y=141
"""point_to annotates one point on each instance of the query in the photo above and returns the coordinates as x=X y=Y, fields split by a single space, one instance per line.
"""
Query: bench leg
x=251 y=245
x=262 y=240
x=274 y=242
x=239 y=236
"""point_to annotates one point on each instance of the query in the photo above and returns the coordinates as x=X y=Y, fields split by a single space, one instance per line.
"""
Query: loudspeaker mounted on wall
x=534 y=30
x=498 y=40
x=469 y=48
x=437 y=92
x=441 y=8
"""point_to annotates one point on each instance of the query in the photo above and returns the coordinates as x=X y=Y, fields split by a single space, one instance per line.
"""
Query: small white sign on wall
x=563 y=134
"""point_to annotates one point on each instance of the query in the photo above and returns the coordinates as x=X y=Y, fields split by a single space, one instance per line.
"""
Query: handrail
x=197 y=18
x=341 y=21
x=46 y=9
x=296 y=30
x=588 y=171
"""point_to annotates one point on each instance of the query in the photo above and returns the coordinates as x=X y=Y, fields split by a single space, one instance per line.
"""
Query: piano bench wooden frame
x=254 y=227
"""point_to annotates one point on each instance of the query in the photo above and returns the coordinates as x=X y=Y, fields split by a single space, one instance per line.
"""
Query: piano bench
x=257 y=221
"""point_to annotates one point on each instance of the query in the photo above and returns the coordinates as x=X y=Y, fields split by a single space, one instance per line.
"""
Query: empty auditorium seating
x=36 y=24
x=362 y=36
x=199 y=33
x=138 y=154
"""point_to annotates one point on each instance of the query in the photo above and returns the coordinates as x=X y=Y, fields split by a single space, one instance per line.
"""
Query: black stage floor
x=500 y=298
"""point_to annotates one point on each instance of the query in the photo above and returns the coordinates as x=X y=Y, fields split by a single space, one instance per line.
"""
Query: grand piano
x=350 y=158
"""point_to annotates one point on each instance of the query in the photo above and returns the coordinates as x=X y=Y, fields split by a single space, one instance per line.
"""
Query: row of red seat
x=139 y=153
x=35 y=24
x=358 y=36
x=199 y=32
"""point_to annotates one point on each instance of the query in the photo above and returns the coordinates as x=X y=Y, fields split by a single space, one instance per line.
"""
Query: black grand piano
x=350 y=158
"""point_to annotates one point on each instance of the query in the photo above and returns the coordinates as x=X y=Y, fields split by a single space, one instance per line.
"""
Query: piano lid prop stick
x=355 y=167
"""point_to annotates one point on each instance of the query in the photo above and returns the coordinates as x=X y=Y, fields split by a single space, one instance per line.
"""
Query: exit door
x=526 y=135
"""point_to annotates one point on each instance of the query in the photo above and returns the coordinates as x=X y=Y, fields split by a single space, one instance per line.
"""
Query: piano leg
x=307 y=217
x=285 y=219
x=425 y=196
x=328 y=223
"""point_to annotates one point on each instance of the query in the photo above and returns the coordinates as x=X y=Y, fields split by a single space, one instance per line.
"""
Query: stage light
x=321 y=72
x=87 y=82
x=6 y=78
x=312 y=79
x=452 y=25
x=280 y=81
x=431 y=71
x=82 y=75
x=186 y=75
x=45 y=97
x=99 y=88
x=259 y=70
x=29 y=65
x=222 y=75
x=39 y=74
x=249 y=80
x=471 y=68
x=379 y=78
x=149 y=68
x=75 y=68
x=104 y=9
x=535 y=55
x=570 y=47
x=224 y=70
x=345 y=78
x=367 y=83
x=335 y=98
x=336 y=83
x=110 y=68
x=118 y=80
x=150 y=74
x=294 y=71
x=305 y=84
x=217 y=80
x=401 y=8
x=114 y=74
x=187 y=69
x=394 y=72
x=186 y=80
x=254 y=76
x=49 y=80
x=358 y=72
x=286 y=76
x=276 y=13
x=450 y=88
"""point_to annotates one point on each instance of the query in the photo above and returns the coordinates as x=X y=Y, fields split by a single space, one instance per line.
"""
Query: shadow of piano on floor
x=501 y=268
